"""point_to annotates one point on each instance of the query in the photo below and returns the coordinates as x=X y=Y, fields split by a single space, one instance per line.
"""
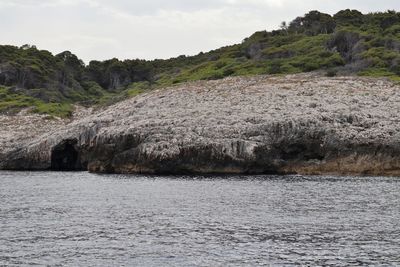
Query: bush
x=331 y=73
x=276 y=67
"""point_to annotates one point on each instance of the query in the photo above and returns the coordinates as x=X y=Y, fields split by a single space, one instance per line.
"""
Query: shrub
x=331 y=73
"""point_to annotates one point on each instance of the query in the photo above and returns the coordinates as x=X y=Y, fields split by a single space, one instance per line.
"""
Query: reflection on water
x=106 y=220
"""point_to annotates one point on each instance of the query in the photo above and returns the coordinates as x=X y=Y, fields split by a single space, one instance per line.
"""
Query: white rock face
x=301 y=123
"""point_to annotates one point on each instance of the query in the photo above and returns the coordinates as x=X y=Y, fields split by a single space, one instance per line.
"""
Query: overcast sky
x=148 y=29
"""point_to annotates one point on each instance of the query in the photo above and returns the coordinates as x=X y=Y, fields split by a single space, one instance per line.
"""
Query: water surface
x=81 y=219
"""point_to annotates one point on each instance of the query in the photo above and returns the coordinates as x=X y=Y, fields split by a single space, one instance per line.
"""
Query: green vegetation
x=55 y=109
x=11 y=102
x=348 y=42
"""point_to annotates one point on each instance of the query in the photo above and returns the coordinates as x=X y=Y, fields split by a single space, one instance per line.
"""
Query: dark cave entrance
x=65 y=157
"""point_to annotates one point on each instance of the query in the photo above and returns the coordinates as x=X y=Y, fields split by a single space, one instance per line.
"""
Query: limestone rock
x=302 y=123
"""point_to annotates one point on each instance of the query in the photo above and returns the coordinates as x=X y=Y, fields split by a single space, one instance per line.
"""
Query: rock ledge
x=305 y=124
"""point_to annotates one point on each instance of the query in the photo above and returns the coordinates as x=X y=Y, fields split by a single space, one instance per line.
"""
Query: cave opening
x=65 y=157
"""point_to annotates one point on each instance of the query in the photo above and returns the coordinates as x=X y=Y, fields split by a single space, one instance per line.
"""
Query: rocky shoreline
x=304 y=124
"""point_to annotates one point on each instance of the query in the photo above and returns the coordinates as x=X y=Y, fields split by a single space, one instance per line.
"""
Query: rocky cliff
x=306 y=124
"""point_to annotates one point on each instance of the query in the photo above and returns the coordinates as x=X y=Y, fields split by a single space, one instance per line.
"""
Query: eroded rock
x=302 y=123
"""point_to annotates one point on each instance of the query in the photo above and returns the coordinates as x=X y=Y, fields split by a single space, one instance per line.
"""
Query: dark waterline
x=82 y=219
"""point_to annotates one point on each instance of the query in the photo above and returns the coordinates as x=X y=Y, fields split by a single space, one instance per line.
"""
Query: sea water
x=82 y=219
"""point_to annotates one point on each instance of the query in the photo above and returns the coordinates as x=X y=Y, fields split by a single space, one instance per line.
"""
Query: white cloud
x=100 y=29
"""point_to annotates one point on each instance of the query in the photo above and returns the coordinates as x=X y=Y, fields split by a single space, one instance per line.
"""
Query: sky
x=149 y=29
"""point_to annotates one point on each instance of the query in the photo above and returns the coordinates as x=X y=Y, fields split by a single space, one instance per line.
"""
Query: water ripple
x=81 y=219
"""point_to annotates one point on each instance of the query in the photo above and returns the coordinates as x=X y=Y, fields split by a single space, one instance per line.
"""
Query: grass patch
x=379 y=73
x=63 y=110
x=138 y=88
x=12 y=102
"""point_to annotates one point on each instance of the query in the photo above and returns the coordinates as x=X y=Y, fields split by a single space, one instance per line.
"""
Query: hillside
x=348 y=42
x=301 y=123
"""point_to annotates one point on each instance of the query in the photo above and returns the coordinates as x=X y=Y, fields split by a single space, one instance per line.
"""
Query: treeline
x=347 y=42
x=64 y=76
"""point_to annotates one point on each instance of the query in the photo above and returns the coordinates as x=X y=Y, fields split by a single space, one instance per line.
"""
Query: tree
x=349 y=17
x=296 y=25
x=388 y=19
x=72 y=65
x=345 y=43
x=316 y=22
x=284 y=27
x=28 y=46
